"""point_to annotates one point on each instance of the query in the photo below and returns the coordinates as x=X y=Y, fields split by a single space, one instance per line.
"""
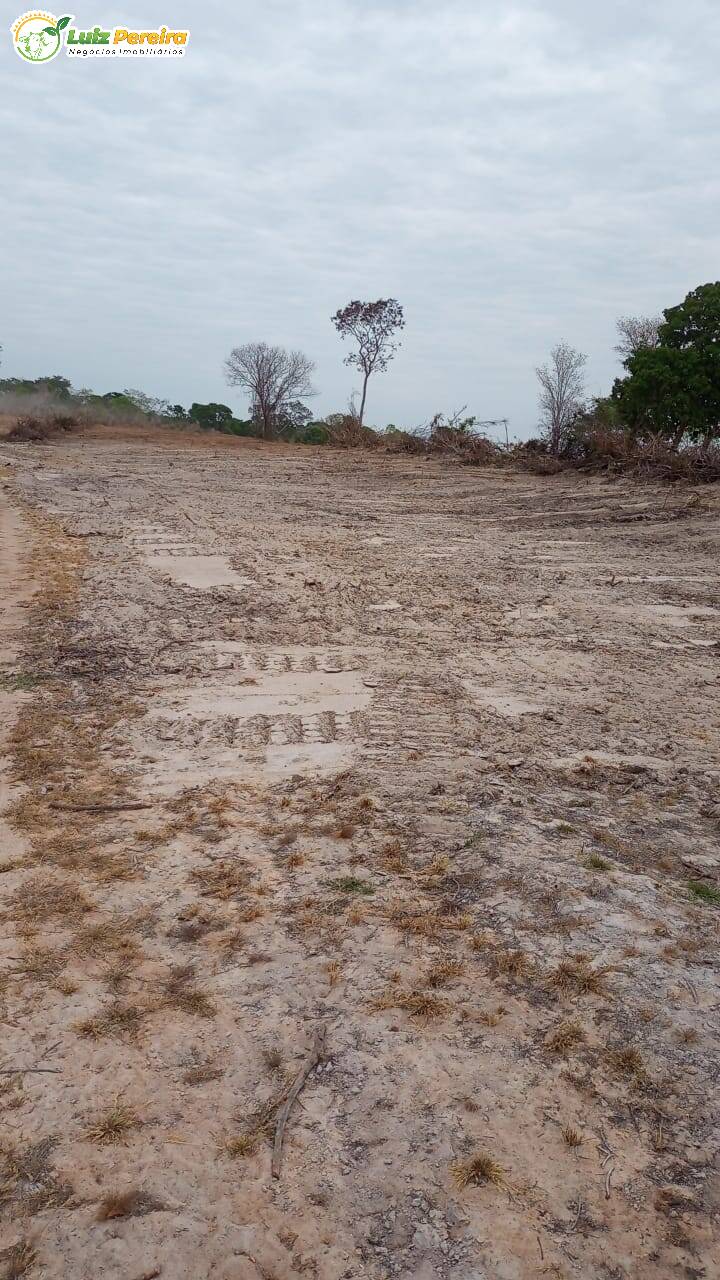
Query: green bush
x=316 y=433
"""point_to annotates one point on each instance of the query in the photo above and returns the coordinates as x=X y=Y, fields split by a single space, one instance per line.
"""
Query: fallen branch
x=99 y=808
x=24 y=1071
x=314 y=1056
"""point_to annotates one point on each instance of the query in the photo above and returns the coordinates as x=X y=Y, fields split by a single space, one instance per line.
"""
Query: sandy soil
x=429 y=757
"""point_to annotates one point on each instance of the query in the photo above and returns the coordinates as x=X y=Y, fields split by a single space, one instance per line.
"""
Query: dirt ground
x=428 y=757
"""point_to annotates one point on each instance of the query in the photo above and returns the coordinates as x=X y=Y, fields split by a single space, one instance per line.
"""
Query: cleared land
x=428 y=756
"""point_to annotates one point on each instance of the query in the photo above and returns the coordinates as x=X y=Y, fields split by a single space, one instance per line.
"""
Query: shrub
x=316 y=433
x=29 y=429
x=35 y=428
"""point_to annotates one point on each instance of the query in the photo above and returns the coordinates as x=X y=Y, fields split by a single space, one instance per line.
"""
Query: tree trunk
x=362 y=402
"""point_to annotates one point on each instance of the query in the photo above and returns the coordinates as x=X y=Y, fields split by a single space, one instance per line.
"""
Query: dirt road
x=429 y=757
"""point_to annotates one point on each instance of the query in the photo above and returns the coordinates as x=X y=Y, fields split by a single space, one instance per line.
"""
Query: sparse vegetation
x=352 y=884
x=704 y=892
x=128 y=1204
x=114 y=1123
x=480 y=1169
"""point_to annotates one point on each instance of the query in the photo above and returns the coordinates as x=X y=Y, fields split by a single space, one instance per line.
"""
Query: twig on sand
x=99 y=808
x=25 y=1071
x=316 y=1053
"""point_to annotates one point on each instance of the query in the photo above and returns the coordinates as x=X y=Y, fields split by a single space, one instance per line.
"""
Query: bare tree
x=562 y=388
x=273 y=377
x=637 y=333
x=372 y=325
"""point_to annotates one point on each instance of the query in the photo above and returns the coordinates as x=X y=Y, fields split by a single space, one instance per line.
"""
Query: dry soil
x=428 y=756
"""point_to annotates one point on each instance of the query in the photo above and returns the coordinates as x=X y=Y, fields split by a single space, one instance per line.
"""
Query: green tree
x=673 y=389
x=372 y=326
x=214 y=417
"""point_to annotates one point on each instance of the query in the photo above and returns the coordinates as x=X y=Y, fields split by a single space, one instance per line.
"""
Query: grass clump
x=595 y=862
x=27 y=1176
x=419 y=1004
x=114 y=1123
x=181 y=991
x=704 y=892
x=443 y=971
x=224 y=879
x=479 y=1170
x=628 y=1062
x=571 y=1137
x=43 y=898
x=117 y=1020
x=240 y=1146
x=576 y=976
x=127 y=1204
x=17 y=1261
x=351 y=884
x=510 y=964
x=568 y=1035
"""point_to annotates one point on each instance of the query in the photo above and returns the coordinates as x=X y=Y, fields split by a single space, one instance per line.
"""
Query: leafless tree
x=273 y=377
x=637 y=333
x=562 y=388
x=372 y=326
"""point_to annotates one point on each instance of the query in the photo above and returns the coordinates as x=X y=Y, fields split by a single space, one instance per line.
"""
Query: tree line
x=670 y=388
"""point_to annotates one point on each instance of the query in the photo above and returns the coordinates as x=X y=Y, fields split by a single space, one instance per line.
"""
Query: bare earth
x=429 y=757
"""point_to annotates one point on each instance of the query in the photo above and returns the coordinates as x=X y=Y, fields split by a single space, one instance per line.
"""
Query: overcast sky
x=514 y=173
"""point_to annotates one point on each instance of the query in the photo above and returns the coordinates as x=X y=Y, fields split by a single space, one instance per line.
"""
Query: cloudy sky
x=515 y=174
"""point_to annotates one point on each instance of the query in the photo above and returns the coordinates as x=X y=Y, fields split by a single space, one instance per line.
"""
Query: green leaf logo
x=62 y=23
x=50 y=31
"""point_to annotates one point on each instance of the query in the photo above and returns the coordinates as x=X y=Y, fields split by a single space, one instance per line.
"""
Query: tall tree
x=562 y=391
x=673 y=389
x=372 y=325
x=636 y=333
x=273 y=378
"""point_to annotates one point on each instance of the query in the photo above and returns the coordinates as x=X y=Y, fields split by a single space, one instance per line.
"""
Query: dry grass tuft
x=95 y=941
x=567 y=1035
x=597 y=863
x=627 y=1062
x=334 y=972
x=127 y=1204
x=491 y=1017
x=247 y=914
x=43 y=898
x=114 y=1124
x=576 y=976
x=39 y=964
x=203 y=1073
x=224 y=879
x=419 y=1004
x=572 y=1137
x=118 y=1020
x=274 y=1058
x=426 y=924
x=352 y=884
x=18 y=1260
x=443 y=971
x=181 y=991
x=27 y=1176
x=687 y=1035
x=240 y=1146
x=478 y=1171
x=510 y=963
